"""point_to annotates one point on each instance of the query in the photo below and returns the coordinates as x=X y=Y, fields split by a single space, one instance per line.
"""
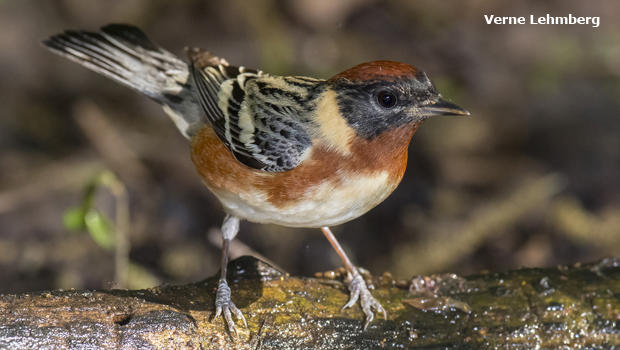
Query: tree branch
x=564 y=307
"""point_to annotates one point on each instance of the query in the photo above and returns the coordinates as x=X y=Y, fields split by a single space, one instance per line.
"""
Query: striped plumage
x=289 y=150
x=263 y=119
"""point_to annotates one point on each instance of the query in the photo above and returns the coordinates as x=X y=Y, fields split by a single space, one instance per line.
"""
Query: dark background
x=530 y=179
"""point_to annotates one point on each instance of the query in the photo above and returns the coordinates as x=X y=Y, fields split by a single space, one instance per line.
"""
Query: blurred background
x=532 y=178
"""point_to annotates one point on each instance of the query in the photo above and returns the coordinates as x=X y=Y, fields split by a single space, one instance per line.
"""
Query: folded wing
x=263 y=119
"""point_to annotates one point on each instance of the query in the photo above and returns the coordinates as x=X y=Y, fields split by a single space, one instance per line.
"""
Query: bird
x=294 y=151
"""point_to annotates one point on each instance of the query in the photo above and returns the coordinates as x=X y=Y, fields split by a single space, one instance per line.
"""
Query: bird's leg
x=223 y=303
x=356 y=284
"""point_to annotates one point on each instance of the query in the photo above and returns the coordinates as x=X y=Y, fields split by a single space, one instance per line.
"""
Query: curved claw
x=355 y=294
x=359 y=290
x=238 y=314
x=225 y=306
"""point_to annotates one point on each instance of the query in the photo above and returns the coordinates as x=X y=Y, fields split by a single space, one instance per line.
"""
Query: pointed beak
x=443 y=107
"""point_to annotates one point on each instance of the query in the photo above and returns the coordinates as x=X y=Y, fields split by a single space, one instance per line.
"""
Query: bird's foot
x=225 y=306
x=358 y=290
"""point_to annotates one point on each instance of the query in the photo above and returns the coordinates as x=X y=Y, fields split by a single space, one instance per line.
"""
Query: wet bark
x=555 y=308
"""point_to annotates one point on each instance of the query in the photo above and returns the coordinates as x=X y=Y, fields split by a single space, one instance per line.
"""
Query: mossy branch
x=564 y=307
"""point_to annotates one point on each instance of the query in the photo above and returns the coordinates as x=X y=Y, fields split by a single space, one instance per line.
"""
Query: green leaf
x=99 y=228
x=73 y=219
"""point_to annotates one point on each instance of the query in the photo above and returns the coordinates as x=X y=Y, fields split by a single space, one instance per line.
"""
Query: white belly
x=327 y=204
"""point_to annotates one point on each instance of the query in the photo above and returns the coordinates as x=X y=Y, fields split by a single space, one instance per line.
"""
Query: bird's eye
x=386 y=99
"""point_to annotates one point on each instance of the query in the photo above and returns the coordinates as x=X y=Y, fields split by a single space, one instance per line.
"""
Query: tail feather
x=125 y=54
x=131 y=35
x=90 y=50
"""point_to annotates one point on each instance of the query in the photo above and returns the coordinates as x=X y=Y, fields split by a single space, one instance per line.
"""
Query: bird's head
x=376 y=96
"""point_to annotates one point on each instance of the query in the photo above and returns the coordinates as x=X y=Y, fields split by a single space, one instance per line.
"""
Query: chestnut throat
x=385 y=152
